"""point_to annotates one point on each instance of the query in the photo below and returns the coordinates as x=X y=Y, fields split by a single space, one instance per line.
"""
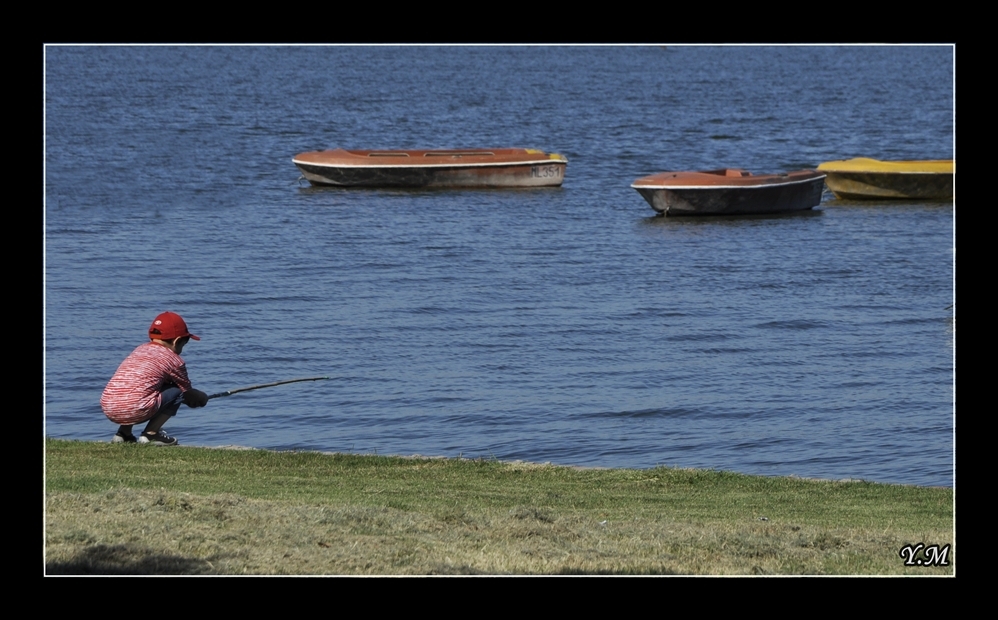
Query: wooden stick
x=263 y=385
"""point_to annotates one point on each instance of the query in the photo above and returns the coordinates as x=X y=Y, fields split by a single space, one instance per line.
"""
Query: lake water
x=567 y=325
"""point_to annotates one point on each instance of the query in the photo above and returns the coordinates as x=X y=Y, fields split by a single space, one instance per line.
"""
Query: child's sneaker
x=159 y=438
x=119 y=438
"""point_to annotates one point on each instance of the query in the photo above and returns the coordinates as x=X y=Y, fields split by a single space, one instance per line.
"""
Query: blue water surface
x=567 y=325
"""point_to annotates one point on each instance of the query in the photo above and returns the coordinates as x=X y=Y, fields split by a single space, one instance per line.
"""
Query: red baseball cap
x=168 y=326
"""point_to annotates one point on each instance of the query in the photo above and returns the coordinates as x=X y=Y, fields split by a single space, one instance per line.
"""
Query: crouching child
x=150 y=385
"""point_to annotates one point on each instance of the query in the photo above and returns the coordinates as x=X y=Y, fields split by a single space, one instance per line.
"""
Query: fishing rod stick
x=264 y=385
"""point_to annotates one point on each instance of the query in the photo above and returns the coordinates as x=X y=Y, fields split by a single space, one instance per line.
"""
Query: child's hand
x=195 y=398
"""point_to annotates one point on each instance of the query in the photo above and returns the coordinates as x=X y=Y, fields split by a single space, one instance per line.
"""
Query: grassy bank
x=123 y=509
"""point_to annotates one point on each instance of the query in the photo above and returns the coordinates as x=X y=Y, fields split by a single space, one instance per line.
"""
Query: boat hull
x=500 y=168
x=767 y=194
x=868 y=179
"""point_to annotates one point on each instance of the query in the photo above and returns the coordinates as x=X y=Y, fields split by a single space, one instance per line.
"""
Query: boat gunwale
x=401 y=165
x=422 y=158
x=761 y=182
x=867 y=165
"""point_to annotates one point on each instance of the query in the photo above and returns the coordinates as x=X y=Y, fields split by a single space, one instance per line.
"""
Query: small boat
x=429 y=168
x=730 y=191
x=871 y=179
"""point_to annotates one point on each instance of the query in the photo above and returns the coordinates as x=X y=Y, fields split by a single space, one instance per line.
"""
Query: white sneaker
x=159 y=438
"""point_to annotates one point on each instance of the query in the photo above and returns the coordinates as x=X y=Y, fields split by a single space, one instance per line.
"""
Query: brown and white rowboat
x=730 y=191
x=433 y=168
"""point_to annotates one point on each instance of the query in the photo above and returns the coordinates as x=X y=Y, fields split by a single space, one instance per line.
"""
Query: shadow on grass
x=127 y=560
x=460 y=569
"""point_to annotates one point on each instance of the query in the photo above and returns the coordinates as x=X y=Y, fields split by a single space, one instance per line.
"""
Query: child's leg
x=171 y=402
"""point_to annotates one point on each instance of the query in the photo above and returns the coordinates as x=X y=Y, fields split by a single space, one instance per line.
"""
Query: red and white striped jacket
x=133 y=394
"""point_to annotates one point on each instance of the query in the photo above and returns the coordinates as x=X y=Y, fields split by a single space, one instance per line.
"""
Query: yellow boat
x=872 y=179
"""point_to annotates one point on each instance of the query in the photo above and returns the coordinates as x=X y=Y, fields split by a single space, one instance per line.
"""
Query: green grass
x=127 y=509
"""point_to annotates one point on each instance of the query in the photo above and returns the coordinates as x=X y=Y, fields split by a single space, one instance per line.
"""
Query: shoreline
x=237 y=447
